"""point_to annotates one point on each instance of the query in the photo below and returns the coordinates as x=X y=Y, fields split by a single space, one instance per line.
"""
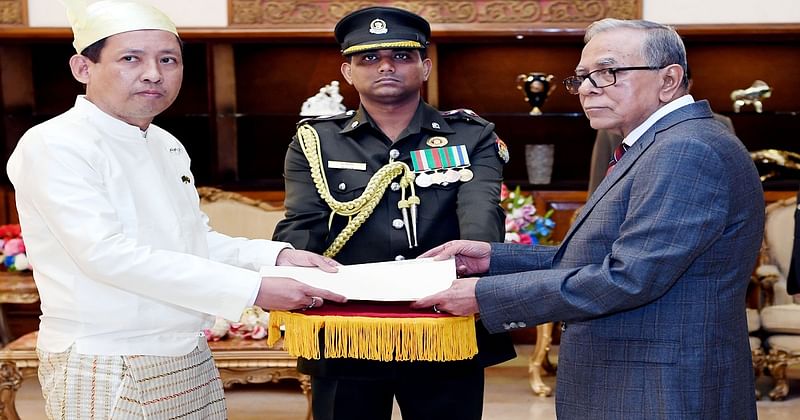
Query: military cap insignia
x=378 y=27
x=502 y=150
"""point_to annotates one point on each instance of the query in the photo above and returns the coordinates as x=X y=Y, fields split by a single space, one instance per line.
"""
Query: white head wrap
x=104 y=18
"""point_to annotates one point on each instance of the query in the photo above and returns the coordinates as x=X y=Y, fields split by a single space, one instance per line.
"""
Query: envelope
x=406 y=280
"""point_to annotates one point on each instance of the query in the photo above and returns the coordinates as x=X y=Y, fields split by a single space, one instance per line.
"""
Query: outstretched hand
x=472 y=257
x=299 y=258
x=283 y=293
x=458 y=300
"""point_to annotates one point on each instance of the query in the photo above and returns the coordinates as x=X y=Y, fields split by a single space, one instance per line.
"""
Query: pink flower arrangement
x=523 y=225
x=251 y=325
x=13 y=248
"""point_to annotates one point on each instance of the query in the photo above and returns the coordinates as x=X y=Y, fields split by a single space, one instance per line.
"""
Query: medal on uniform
x=451 y=175
x=437 y=177
x=423 y=180
x=441 y=165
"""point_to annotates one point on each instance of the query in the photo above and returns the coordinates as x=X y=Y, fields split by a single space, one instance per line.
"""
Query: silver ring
x=435 y=309
x=313 y=303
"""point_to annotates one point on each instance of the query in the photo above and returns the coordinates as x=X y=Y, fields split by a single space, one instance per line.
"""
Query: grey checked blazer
x=651 y=281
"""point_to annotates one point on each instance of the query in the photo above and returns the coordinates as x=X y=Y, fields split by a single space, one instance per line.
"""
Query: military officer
x=387 y=182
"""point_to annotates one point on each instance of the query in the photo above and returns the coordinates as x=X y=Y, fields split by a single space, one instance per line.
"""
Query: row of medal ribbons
x=441 y=165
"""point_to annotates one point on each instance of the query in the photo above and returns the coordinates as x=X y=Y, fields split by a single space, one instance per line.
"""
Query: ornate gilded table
x=15 y=287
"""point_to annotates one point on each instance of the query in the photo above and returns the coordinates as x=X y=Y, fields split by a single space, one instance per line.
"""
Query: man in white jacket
x=128 y=269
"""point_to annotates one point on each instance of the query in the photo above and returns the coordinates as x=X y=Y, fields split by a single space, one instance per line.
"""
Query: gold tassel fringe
x=382 y=339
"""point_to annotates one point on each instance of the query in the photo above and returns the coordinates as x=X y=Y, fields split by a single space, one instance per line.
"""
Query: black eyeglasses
x=600 y=78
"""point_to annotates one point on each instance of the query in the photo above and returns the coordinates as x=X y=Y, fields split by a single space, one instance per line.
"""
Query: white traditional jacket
x=124 y=260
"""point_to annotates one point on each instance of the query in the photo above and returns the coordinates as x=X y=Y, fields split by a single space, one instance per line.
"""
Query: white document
x=385 y=281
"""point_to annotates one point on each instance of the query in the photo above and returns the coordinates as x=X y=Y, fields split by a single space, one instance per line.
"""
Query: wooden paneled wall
x=243 y=89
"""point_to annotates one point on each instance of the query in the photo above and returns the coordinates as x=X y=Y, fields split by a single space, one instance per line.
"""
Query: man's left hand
x=299 y=258
x=458 y=300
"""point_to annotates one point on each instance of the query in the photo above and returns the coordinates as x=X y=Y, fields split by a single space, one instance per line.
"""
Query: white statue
x=327 y=102
x=751 y=96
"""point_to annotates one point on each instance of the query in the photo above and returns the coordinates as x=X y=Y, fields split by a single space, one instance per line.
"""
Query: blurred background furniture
x=16 y=355
x=756 y=348
x=539 y=361
x=236 y=215
x=15 y=287
x=780 y=316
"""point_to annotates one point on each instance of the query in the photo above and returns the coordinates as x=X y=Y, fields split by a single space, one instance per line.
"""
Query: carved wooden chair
x=780 y=316
x=236 y=215
x=756 y=348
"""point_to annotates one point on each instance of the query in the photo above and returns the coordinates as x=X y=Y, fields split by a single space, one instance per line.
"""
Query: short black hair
x=92 y=52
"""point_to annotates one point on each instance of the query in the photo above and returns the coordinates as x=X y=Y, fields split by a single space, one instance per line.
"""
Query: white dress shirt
x=660 y=113
x=123 y=258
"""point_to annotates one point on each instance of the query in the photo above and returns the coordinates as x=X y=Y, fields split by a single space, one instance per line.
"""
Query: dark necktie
x=618 y=152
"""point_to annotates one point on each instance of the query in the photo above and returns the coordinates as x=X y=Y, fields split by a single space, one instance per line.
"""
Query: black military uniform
x=353 y=149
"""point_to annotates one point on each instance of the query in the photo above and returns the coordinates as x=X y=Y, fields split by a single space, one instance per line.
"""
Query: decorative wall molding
x=13 y=12
x=476 y=14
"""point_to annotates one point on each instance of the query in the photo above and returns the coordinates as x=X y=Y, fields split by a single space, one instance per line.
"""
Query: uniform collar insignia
x=359 y=119
x=433 y=121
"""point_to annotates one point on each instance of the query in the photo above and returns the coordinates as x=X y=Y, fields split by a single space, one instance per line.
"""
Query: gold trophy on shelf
x=537 y=87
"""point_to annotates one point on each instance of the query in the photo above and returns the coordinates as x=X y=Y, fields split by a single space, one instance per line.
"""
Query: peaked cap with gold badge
x=380 y=28
x=102 y=19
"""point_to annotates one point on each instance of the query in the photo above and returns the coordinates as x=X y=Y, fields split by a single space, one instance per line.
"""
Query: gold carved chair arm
x=211 y=195
x=766 y=276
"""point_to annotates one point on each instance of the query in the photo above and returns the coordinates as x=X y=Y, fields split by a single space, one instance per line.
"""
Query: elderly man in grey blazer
x=651 y=278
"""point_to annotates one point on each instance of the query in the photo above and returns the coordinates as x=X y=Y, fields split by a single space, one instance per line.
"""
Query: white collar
x=113 y=125
x=637 y=132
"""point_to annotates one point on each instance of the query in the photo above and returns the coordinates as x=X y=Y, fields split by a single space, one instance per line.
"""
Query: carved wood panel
x=13 y=12
x=477 y=14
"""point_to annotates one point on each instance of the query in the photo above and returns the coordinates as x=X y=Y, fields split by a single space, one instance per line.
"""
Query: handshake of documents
x=377 y=322
x=407 y=280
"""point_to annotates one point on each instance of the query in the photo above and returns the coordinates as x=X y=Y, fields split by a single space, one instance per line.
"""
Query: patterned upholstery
x=236 y=215
x=780 y=316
